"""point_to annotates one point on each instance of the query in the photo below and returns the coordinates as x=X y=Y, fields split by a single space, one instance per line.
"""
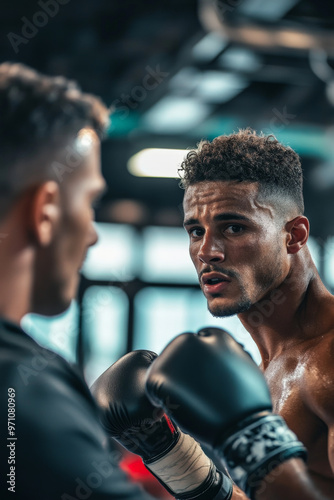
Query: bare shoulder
x=318 y=379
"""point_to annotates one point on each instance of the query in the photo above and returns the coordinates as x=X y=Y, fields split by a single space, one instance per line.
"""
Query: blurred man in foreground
x=52 y=444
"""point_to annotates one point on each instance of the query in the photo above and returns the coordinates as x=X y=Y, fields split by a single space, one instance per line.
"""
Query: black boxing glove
x=219 y=395
x=128 y=416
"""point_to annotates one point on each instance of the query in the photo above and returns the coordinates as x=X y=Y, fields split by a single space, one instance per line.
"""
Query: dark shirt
x=55 y=449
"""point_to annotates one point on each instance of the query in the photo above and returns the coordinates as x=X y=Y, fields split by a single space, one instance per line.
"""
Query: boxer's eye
x=234 y=228
x=196 y=232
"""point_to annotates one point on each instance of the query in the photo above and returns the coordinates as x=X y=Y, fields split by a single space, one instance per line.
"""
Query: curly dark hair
x=246 y=156
x=38 y=115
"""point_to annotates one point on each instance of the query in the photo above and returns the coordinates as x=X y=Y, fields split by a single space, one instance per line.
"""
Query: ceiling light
x=174 y=115
x=209 y=47
x=240 y=59
x=156 y=162
x=219 y=87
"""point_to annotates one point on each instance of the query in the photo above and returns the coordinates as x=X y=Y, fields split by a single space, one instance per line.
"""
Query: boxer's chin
x=220 y=308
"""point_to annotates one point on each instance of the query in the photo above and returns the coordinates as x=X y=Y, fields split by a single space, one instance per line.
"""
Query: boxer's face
x=60 y=262
x=237 y=244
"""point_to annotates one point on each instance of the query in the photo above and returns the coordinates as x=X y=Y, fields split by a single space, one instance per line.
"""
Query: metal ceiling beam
x=226 y=19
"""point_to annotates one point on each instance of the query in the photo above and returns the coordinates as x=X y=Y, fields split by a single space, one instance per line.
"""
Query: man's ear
x=45 y=212
x=298 y=230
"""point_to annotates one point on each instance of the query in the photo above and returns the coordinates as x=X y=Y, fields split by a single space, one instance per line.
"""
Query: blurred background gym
x=174 y=72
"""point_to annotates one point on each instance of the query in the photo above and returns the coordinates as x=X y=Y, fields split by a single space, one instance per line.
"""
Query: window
x=165 y=256
x=105 y=319
x=115 y=256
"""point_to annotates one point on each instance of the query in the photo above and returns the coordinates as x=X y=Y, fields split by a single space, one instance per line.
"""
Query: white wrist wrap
x=184 y=468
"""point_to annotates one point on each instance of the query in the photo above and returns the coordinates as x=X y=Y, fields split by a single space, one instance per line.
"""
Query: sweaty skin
x=300 y=381
x=272 y=284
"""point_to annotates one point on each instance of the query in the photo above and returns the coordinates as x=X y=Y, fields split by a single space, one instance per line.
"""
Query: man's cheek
x=192 y=254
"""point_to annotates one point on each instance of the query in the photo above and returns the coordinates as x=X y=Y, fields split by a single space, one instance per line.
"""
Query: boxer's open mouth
x=214 y=278
x=214 y=282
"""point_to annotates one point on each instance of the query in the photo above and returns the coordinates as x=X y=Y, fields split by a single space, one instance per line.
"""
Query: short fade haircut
x=247 y=157
x=38 y=115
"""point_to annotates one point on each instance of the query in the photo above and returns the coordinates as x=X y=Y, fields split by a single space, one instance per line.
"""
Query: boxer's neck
x=293 y=313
